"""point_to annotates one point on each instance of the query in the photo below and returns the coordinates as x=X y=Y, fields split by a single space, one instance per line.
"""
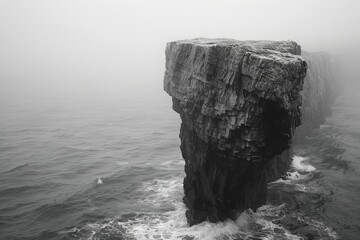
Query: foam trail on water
x=176 y=162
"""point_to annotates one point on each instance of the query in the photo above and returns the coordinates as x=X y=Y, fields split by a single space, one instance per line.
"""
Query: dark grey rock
x=239 y=103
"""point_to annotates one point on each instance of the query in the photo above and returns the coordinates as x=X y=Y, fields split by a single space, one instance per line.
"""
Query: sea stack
x=239 y=102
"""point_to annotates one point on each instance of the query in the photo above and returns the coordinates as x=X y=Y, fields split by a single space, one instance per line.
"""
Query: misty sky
x=118 y=46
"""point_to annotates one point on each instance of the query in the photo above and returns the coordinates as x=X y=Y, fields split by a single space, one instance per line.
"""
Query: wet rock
x=239 y=102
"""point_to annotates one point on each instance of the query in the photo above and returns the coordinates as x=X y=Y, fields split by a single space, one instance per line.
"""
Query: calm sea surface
x=111 y=168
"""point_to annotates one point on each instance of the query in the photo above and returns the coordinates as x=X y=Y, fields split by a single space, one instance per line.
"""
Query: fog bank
x=117 y=47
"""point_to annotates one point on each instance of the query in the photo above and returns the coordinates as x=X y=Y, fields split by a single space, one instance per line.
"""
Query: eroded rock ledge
x=239 y=102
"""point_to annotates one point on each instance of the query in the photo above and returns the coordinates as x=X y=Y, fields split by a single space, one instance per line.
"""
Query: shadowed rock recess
x=240 y=103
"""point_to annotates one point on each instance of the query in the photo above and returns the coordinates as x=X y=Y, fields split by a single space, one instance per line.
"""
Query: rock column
x=240 y=103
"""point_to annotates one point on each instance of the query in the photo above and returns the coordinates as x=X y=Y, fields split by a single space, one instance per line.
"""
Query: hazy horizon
x=117 y=47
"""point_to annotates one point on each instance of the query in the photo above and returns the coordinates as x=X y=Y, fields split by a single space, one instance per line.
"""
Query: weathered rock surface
x=239 y=103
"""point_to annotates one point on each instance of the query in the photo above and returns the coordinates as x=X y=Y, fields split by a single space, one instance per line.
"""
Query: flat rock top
x=281 y=46
x=223 y=86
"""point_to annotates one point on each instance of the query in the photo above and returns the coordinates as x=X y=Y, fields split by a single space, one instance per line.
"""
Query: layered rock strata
x=239 y=102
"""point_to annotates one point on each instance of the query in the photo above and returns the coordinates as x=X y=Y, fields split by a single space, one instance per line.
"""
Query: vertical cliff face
x=321 y=87
x=239 y=103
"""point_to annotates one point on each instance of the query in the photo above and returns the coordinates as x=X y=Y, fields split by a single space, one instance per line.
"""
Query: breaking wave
x=299 y=174
x=302 y=164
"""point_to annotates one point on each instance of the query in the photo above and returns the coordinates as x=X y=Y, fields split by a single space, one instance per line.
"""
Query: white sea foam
x=122 y=163
x=301 y=164
x=324 y=126
x=300 y=171
x=160 y=192
x=292 y=177
x=169 y=221
x=172 y=224
x=176 y=162
x=99 y=181
x=301 y=187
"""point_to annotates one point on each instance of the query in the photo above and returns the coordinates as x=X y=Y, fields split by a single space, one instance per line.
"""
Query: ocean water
x=92 y=167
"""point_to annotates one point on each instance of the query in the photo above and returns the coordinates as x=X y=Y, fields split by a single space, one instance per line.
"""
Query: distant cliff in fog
x=321 y=87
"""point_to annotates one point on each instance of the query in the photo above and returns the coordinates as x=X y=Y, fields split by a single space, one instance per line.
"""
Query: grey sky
x=118 y=46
